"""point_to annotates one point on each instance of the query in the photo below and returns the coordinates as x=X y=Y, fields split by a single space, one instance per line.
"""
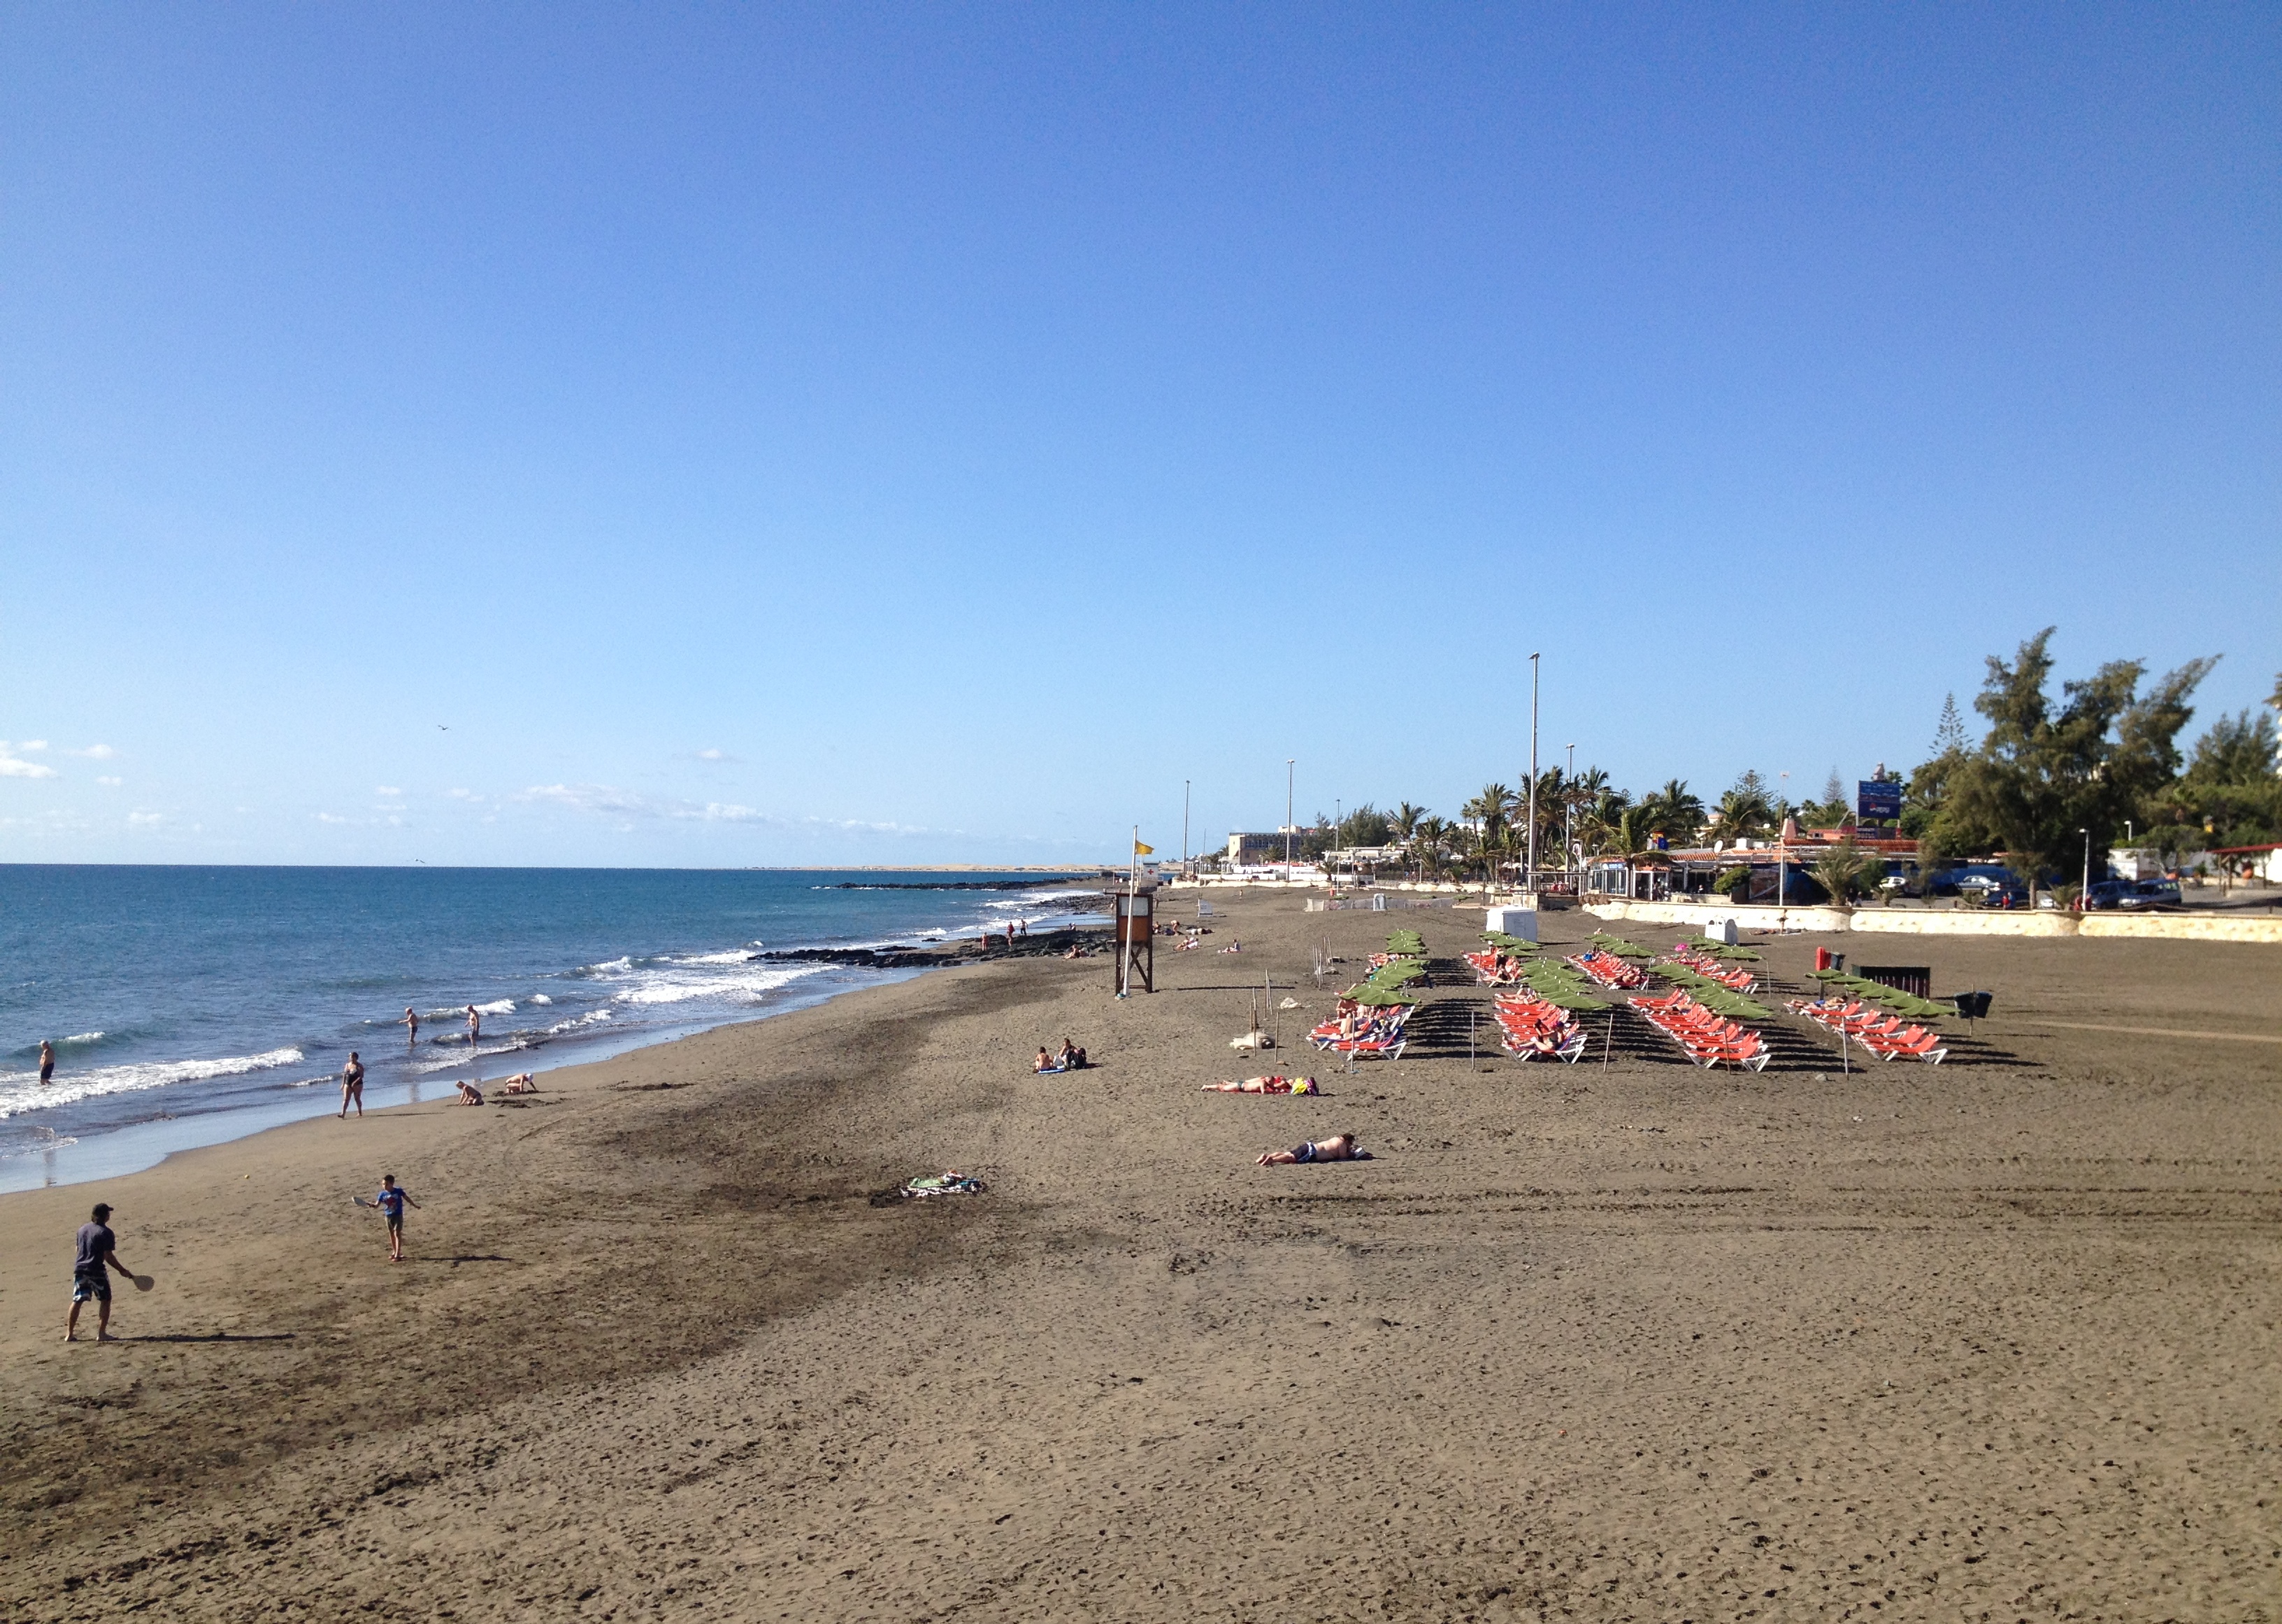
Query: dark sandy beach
x=1995 y=1340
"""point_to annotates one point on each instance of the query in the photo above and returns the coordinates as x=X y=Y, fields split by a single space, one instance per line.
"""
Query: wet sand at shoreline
x=1626 y=1340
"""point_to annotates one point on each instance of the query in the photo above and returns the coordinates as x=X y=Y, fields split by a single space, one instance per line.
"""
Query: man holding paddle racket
x=90 y=1274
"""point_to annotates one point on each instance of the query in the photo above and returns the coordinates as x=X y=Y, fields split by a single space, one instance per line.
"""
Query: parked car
x=2154 y=894
x=2109 y=894
x=1992 y=884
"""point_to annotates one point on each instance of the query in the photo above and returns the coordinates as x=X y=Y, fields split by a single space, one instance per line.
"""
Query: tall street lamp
x=2084 y=892
x=1529 y=874
x=1289 y=762
x=1569 y=824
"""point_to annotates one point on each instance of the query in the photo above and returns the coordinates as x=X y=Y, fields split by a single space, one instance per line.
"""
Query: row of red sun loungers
x=1378 y=1036
x=1884 y=1035
x=1708 y=1040
x=1528 y=1022
x=1705 y=965
x=1493 y=968
x=1609 y=970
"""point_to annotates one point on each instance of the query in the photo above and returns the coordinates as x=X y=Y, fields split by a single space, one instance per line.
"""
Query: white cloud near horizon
x=95 y=752
x=111 y=783
x=12 y=766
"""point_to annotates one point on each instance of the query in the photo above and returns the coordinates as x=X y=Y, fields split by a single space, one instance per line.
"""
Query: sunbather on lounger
x=1338 y=1147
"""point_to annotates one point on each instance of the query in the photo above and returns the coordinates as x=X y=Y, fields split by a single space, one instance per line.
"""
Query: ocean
x=193 y=1005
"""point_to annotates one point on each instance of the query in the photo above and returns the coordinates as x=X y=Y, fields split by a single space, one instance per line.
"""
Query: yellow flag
x=1141 y=851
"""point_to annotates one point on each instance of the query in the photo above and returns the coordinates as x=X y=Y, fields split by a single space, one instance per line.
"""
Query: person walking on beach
x=475 y=1025
x=91 y=1273
x=412 y=1026
x=352 y=1084
x=47 y=1062
x=391 y=1201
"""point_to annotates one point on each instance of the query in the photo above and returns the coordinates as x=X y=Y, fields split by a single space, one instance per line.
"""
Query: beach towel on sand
x=942 y=1184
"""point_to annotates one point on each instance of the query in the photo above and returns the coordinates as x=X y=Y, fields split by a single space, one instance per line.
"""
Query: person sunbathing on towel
x=470 y=1094
x=1263 y=1085
x=522 y=1082
x=1045 y=1062
x=1338 y=1147
x=1233 y=947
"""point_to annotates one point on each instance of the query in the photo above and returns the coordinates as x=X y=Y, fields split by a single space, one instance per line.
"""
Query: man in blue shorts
x=91 y=1277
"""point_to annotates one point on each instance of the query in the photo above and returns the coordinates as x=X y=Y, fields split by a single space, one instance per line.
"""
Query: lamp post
x=1184 y=826
x=1782 y=852
x=1529 y=873
x=1288 y=763
x=1569 y=822
x=2084 y=892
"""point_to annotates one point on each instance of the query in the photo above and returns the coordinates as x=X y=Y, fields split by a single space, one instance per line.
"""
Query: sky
x=704 y=435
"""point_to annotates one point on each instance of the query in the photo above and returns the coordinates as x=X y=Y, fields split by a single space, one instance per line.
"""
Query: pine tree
x=1949 y=735
x=1834 y=789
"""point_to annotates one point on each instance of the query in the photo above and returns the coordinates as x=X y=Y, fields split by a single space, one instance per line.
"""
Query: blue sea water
x=193 y=1005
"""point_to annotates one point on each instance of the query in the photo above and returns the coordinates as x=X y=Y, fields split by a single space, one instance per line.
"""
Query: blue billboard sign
x=1878 y=801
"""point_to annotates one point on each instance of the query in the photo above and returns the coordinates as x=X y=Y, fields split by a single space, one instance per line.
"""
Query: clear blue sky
x=614 y=434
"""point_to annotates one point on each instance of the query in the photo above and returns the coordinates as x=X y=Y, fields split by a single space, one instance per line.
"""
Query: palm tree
x=1406 y=819
x=1673 y=811
x=1744 y=809
x=1490 y=811
x=1847 y=871
x=1428 y=841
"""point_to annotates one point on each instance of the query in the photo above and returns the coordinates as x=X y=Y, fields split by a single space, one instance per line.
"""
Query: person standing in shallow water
x=352 y=1084
x=412 y=1027
x=47 y=1062
x=475 y=1025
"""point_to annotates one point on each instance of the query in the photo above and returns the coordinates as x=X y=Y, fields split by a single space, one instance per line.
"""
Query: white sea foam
x=675 y=986
x=81 y=1037
x=611 y=966
x=463 y=1058
x=738 y=957
x=573 y=1024
x=540 y=997
x=21 y=1090
x=497 y=1006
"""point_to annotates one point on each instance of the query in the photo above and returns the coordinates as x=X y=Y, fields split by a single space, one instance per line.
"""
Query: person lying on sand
x=1264 y=1086
x=470 y=1094
x=522 y=1082
x=1233 y=947
x=1338 y=1147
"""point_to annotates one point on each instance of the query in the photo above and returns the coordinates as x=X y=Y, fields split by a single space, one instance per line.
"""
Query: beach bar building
x=1774 y=871
x=1246 y=851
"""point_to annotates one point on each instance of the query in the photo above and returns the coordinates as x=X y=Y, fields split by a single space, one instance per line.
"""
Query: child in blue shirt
x=391 y=1201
